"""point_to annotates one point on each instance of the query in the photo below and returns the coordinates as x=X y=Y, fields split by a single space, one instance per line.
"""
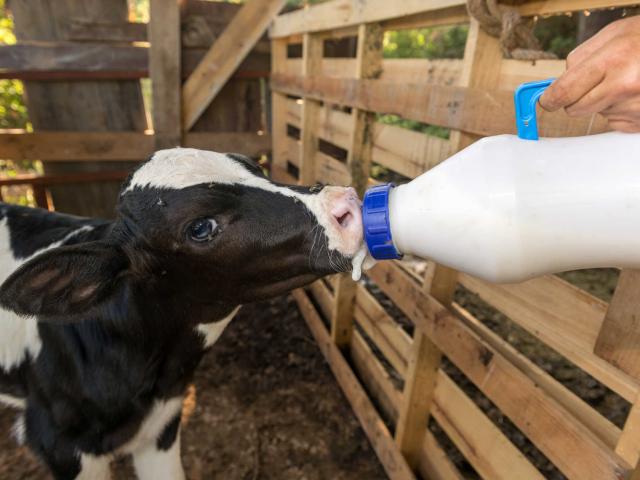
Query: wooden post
x=278 y=111
x=482 y=54
x=226 y=54
x=164 y=70
x=619 y=335
x=311 y=63
x=368 y=65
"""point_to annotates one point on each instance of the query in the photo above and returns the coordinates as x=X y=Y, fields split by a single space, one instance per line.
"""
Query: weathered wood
x=618 y=341
x=420 y=383
x=246 y=28
x=80 y=29
x=344 y=13
x=49 y=61
x=434 y=462
x=279 y=107
x=342 y=315
x=562 y=316
x=380 y=438
x=123 y=146
x=448 y=106
x=584 y=412
x=323 y=297
x=164 y=70
x=83 y=106
x=628 y=446
x=550 y=426
x=312 y=47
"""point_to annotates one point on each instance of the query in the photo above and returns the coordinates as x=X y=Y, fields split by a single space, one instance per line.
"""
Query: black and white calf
x=102 y=324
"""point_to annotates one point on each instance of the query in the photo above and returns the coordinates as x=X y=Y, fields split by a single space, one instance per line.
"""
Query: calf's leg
x=161 y=460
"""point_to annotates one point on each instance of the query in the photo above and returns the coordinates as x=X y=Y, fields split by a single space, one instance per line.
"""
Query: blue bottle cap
x=526 y=99
x=375 y=219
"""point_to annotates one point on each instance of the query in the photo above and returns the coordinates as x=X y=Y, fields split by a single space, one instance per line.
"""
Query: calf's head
x=206 y=226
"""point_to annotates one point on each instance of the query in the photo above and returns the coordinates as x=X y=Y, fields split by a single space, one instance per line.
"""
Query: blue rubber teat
x=526 y=99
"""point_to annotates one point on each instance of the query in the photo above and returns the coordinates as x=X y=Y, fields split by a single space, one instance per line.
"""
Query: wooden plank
x=515 y=72
x=293 y=151
x=375 y=377
x=164 y=70
x=122 y=146
x=342 y=314
x=420 y=383
x=331 y=171
x=628 y=446
x=226 y=54
x=444 y=17
x=312 y=48
x=372 y=331
x=559 y=435
x=619 y=337
x=323 y=297
x=554 y=7
x=48 y=180
x=343 y=13
x=478 y=439
x=450 y=106
x=380 y=438
x=279 y=107
x=407 y=152
x=598 y=424
x=56 y=60
x=562 y=316
x=434 y=462
x=80 y=29
x=50 y=61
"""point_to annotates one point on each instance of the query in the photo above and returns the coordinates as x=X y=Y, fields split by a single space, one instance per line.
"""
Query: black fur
x=118 y=305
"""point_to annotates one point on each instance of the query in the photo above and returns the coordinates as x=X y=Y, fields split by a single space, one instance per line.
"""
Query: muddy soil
x=264 y=406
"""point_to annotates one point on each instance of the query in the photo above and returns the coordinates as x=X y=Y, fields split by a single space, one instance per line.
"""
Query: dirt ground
x=266 y=406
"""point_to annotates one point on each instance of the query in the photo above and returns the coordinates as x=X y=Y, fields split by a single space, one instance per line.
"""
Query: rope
x=504 y=22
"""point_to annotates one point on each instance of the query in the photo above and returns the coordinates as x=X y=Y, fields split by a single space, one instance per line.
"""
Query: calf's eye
x=203 y=230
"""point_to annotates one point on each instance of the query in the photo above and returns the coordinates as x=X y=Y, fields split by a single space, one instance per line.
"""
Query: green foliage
x=414 y=125
x=13 y=112
x=557 y=34
x=439 y=42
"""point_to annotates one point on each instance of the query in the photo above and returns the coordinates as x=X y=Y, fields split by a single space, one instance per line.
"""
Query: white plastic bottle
x=507 y=209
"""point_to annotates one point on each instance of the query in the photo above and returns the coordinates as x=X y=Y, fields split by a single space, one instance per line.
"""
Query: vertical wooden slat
x=619 y=335
x=164 y=70
x=278 y=112
x=40 y=196
x=628 y=446
x=368 y=65
x=482 y=53
x=311 y=63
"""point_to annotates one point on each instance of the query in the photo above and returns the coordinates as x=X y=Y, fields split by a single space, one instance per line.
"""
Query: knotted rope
x=504 y=22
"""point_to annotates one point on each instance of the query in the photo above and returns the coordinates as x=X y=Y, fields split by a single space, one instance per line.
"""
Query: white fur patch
x=162 y=412
x=18 y=335
x=179 y=168
x=212 y=331
x=94 y=468
x=12 y=401
x=154 y=464
x=19 y=431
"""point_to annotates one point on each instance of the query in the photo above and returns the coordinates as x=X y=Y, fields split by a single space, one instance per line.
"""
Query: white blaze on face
x=179 y=168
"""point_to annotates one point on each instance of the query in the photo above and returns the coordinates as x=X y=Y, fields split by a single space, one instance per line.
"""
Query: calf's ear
x=64 y=281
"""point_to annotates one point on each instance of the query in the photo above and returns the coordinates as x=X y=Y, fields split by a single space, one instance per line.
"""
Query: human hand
x=602 y=76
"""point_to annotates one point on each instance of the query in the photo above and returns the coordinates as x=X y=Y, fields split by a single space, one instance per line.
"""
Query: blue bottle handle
x=526 y=99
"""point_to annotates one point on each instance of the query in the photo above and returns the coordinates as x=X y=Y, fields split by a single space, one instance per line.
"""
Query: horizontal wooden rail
x=553 y=429
x=99 y=61
x=562 y=316
x=340 y=14
x=125 y=146
x=460 y=108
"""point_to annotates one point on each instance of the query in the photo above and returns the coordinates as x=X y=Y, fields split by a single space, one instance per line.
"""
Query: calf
x=102 y=324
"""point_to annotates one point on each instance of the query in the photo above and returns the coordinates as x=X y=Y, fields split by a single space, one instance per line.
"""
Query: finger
x=596 y=100
x=595 y=43
x=625 y=126
x=572 y=86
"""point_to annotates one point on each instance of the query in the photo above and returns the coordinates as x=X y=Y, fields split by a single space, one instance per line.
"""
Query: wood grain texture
x=226 y=54
x=618 y=341
x=380 y=438
x=164 y=70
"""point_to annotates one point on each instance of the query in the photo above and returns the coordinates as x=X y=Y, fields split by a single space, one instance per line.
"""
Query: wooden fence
x=326 y=128
x=81 y=66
